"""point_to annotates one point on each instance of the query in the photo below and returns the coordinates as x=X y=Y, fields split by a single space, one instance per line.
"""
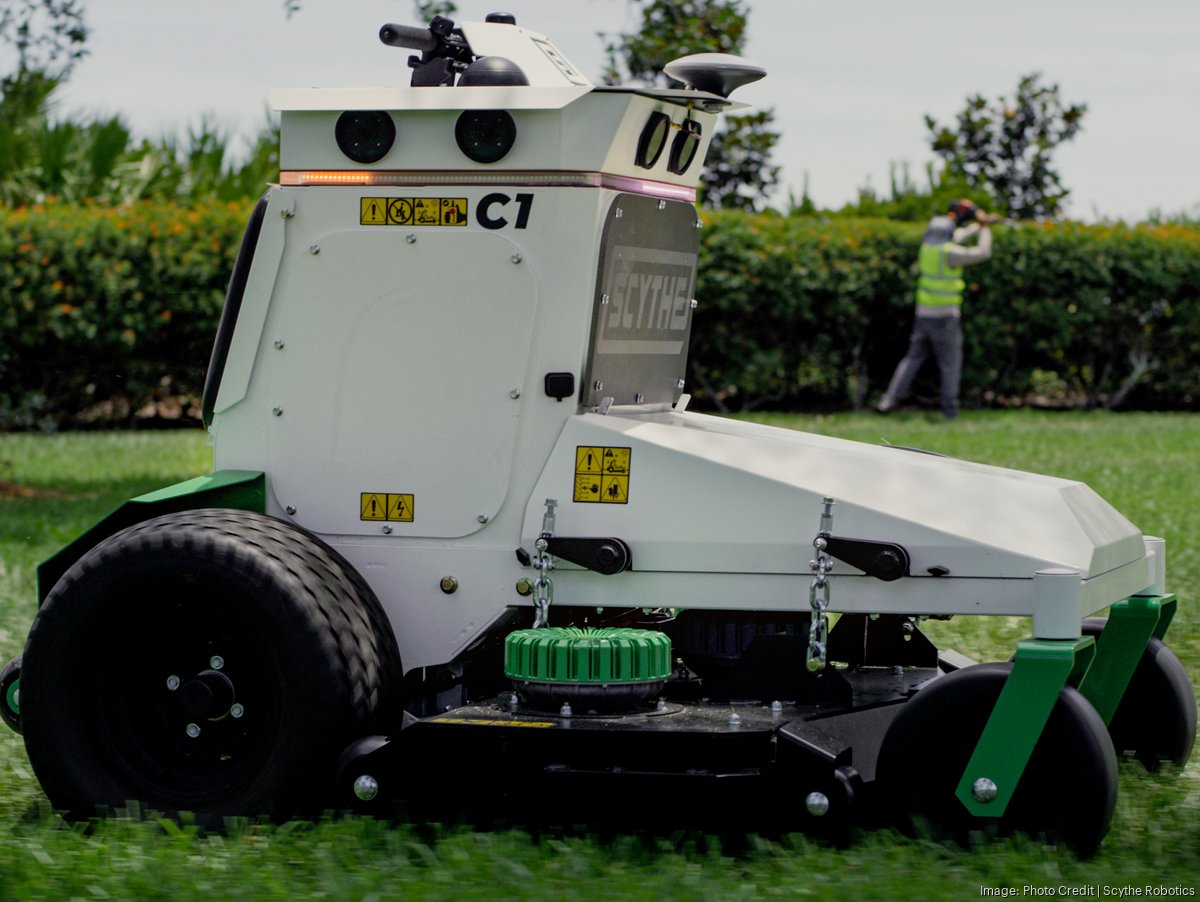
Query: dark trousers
x=940 y=337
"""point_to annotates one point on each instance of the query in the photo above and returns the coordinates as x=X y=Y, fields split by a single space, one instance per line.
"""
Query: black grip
x=407 y=36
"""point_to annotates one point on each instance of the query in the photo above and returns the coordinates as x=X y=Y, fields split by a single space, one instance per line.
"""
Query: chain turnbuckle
x=543 y=586
x=818 y=594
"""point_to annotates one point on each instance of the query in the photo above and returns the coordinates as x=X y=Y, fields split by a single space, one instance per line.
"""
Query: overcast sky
x=849 y=80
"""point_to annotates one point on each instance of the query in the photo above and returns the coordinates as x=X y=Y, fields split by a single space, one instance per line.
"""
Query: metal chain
x=543 y=586
x=818 y=594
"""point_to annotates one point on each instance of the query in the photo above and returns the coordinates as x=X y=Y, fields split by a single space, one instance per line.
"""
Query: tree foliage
x=739 y=173
x=48 y=36
x=1006 y=146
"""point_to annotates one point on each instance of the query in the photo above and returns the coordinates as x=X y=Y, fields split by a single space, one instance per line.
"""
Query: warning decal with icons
x=412 y=211
x=385 y=506
x=601 y=475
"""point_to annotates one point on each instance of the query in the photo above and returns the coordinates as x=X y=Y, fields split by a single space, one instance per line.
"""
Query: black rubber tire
x=306 y=651
x=1066 y=795
x=1156 y=718
x=10 y=704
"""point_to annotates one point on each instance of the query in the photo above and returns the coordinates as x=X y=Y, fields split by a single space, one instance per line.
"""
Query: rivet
x=565 y=710
x=984 y=790
x=410 y=238
x=699 y=224
x=366 y=788
x=776 y=707
x=483 y=518
x=387 y=529
x=639 y=398
x=735 y=719
x=662 y=205
x=515 y=393
x=619 y=213
x=314 y=248
x=236 y=711
x=524 y=586
x=517 y=258
x=279 y=344
x=286 y=214
x=291 y=509
x=679 y=383
x=604 y=299
x=695 y=303
x=172 y=682
x=449 y=585
x=598 y=385
x=278 y=411
x=817 y=804
x=216 y=662
x=193 y=730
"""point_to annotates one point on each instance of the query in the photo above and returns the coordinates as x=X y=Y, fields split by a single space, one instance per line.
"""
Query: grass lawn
x=52 y=487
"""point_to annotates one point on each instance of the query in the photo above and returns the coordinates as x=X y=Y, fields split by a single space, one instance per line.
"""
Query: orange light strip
x=303 y=178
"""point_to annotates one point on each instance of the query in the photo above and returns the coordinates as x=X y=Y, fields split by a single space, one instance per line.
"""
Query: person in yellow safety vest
x=937 y=328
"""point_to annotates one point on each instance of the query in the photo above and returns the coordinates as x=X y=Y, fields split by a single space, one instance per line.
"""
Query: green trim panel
x=1040 y=670
x=1131 y=623
x=241 y=489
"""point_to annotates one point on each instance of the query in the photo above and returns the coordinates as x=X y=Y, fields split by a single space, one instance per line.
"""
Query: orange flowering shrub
x=107 y=313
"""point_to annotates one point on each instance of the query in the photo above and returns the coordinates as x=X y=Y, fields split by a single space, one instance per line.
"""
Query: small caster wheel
x=1156 y=719
x=1066 y=794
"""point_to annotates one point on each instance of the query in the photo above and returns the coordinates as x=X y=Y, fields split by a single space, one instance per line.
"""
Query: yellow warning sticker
x=385 y=506
x=601 y=474
x=412 y=211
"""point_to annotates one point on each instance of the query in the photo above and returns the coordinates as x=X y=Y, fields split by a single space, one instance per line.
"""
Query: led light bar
x=303 y=178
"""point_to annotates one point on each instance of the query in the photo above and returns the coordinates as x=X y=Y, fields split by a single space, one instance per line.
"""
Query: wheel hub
x=209 y=695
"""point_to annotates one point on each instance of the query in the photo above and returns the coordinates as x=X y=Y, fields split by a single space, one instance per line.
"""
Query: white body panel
x=374 y=360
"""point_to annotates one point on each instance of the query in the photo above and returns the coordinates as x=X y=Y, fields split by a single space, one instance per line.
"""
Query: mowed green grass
x=52 y=487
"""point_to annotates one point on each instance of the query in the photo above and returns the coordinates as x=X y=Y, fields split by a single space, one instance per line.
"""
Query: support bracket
x=1041 y=668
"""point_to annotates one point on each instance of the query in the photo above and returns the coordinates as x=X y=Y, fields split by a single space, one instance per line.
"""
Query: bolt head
x=984 y=790
x=817 y=804
x=449 y=585
x=193 y=730
x=483 y=518
x=565 y=710
x=735 y=719
x=679 y=383
x=524 y=586
x=366 y=788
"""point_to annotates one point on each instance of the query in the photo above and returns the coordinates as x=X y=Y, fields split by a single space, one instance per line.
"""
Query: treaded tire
x=251 y=632
x=1068 y=790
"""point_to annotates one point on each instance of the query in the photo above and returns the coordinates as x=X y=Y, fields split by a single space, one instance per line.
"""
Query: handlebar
x=407 y=36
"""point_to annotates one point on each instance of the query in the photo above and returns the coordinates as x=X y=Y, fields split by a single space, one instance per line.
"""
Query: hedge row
x=801 y=312
x=108 y=315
